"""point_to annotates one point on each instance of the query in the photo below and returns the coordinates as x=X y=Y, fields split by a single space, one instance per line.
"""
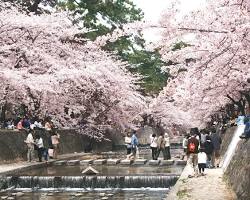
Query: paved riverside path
x=208 y=187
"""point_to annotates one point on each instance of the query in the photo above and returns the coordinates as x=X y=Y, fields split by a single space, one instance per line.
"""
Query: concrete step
x=126 y=162
x=86 y=162
x=73 y=162
x=166 y=162
x=60 y=162
x=99 y=161
x=180 y=162
x=140 y=161
x=154 y=162
x=113 y=161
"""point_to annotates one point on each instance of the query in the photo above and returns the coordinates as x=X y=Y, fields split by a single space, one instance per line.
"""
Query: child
x=202 y=160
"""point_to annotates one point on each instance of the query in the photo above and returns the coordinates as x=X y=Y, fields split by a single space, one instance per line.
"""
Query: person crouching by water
x=30 y=144
x=153 y=146
x=134 y=143
x=128 y=144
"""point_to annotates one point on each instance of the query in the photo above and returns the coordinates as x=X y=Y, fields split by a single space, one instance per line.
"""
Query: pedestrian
x=246 y=133
x=203 y=138
x=209 y=149
x=153 y=146
x=202 y=160
x=134 y=144
x=160 y=145
x=192 y=150
x=55 y=143
x=166 y=152
x=128 y=144
x=185 y=143
x=216 y=141
x=40 y=147
x=30 y=144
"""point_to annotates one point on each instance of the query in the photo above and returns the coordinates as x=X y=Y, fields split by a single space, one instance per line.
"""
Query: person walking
x=208 y=148
x=128 y=144
x=192 y=151
x=184 y=145
x=134 y=144
x=30 y=144
x=202 y=160
x=153 y=146
x=216 y=141
x=166 y=152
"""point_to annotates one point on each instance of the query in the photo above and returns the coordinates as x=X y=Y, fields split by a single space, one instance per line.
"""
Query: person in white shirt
x=202 y=160
x=153 y=146
x=30 y=144
x=40 y=147
x=166 y=152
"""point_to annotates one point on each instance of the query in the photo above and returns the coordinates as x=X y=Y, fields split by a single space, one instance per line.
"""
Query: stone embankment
x=13 y=148
x=238 y=171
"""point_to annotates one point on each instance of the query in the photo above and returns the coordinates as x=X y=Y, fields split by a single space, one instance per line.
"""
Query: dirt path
x=208 y=187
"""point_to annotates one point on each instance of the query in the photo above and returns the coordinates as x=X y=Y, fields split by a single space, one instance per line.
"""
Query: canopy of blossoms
x=214 y=64
x=47 y=67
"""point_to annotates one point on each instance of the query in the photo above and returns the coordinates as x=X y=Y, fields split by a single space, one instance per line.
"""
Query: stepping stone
x=140 y=161
x=166 y=162
x=73 y=162
x=180 y=162
x=154 y=162
x=60 y=162
x=99 y=162
x=86 y=162
x=113 y=161
x=90 y=171
x=126 y=162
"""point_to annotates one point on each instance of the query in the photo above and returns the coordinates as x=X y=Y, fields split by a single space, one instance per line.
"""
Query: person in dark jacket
x=246 y=133
x=216 y=141
x=209 y=149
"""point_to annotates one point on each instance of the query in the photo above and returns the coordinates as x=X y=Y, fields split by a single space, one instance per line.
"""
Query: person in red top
x=193 y=150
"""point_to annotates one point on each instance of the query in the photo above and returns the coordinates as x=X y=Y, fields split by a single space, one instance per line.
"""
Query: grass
x=182 y=193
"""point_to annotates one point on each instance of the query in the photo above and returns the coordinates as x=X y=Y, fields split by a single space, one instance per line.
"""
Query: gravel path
x=208 y=187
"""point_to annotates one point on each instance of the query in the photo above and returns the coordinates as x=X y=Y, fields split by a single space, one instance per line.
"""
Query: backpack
x=191 y=147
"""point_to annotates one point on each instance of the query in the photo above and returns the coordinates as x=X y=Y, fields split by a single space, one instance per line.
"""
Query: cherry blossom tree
x=212 y=68
x=46 y=67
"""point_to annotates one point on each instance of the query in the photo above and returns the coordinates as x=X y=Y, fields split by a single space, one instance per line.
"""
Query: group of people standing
x=202 y=149
x=46 y=150
x=160 y=144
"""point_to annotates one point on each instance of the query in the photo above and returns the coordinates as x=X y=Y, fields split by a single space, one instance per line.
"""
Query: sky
x=152 y=12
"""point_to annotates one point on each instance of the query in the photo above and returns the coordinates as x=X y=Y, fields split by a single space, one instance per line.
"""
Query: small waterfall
x=232 y=146
x=91 y=181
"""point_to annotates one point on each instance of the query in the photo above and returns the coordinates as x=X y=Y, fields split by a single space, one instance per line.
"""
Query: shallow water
x=125 y=194
x=106 y=170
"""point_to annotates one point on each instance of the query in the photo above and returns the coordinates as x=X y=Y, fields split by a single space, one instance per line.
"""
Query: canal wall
x=238 y=171
x=13 y=148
